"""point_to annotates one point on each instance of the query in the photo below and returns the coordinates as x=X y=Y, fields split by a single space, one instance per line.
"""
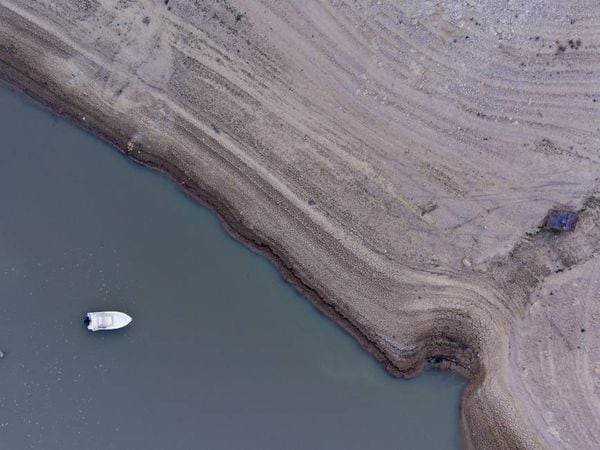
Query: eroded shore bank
x=394 y=171
x=220 y=341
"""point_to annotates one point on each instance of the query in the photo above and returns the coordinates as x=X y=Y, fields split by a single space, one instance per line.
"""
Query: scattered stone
x=430 y=207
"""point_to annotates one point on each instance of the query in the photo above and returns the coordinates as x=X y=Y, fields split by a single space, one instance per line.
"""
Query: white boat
x=107 y=320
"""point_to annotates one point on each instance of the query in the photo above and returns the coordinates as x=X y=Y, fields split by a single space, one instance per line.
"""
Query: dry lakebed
x=396 y=159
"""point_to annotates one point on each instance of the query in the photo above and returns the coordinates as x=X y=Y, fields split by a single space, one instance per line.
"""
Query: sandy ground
x=395 y=159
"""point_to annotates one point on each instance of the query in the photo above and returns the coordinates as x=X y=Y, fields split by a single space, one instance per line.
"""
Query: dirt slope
x=394 y=158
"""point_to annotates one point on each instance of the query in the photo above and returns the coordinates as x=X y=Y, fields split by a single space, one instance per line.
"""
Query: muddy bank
x=395 y=162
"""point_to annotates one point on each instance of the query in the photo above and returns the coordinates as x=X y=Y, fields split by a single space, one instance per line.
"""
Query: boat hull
x=107 y=320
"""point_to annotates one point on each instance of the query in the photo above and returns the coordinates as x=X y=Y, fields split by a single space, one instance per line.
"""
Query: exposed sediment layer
x=395 y=159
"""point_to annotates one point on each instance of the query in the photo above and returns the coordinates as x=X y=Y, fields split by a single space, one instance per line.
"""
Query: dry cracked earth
x=396 y=159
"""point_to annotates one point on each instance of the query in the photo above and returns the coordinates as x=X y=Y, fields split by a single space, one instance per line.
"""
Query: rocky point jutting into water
x=396 y=159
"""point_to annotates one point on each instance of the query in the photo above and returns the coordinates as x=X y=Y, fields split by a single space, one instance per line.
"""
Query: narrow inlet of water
x=222 y=353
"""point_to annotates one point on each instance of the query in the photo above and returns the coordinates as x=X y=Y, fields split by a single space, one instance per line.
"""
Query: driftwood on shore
x=395 y=159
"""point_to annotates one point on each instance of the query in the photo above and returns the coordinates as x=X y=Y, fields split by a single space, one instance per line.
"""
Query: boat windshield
x=104 y=321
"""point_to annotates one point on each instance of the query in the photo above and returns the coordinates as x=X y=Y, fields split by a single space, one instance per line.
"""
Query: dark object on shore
x=561 y=220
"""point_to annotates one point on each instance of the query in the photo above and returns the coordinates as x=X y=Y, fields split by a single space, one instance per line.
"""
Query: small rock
x=466 y=262
x=430 y=207
x=1 y=354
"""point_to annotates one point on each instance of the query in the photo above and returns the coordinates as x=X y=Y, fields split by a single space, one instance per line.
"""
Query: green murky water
x=222 y=353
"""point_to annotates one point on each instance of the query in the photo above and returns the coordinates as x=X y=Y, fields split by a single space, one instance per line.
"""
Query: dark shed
x=561 y=220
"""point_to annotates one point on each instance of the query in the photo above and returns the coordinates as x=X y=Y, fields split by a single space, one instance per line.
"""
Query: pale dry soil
x=395 y=159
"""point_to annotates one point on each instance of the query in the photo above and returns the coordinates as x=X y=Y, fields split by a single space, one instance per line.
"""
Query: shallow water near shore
x=222 y=353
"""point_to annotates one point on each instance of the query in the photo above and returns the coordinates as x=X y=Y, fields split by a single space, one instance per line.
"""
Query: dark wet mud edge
x=429 y=353
x=44 y=97
x=438 y=354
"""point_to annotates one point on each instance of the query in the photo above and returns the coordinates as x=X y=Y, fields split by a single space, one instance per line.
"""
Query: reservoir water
x=222 y=353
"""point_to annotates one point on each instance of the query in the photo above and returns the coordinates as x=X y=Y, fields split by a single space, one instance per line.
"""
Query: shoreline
x=226 y=220
x=410 y=223
x=117 y=136
x=230 y=224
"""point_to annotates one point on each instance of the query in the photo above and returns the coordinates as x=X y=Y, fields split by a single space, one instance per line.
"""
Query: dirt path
x=394 y=158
